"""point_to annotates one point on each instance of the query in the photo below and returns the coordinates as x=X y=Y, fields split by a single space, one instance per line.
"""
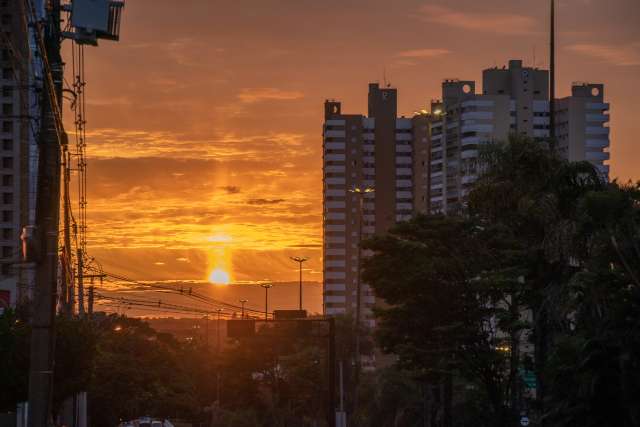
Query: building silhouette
x=429 y=162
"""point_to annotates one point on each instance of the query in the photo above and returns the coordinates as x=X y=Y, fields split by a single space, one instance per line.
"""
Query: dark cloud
x=264 y=201
x=231 y=189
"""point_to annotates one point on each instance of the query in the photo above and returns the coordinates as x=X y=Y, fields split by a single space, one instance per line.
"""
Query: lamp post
x=219 y=310
x=266 y=287
x=299 y=260
x=360 y=192
x=243 y=302
x=206 y=331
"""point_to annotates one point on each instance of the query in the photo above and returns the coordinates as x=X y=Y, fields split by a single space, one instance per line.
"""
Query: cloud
x=223 y=146
x=622 y=55
x=231 y=189
x=500 y=23
x=264 y=201
x=423 y=53
x=251 y=95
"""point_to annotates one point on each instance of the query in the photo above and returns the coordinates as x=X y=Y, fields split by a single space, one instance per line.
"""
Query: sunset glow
x=214 y=140
x=219 y=277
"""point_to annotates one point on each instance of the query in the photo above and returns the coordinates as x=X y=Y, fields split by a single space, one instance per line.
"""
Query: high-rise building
x=514 y=100
x=430 y=162
x=380 y=151
x=18 y=121
x=582 y=129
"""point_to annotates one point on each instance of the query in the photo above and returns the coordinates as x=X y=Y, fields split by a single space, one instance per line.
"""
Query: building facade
x=380 y=151
x=428 y=163
x=18 y=126
x=582 y=126
x=514 y=100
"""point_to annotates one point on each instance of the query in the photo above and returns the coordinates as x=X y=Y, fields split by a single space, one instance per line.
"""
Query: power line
x=159 y=304
x=187 y=293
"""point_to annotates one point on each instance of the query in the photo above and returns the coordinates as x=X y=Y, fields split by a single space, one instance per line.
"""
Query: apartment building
x=18 y=109
x=582 y=129
x=514 y=100
x=380 y=151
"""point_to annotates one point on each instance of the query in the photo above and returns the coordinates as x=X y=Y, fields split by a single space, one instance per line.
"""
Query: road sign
x=528 y=377
x=524 y=421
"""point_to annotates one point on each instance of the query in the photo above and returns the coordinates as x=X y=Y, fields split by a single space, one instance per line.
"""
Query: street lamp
x=266 y=287
x=360 y=192
x=243 y=302
x=219 y=310
x=299 y=260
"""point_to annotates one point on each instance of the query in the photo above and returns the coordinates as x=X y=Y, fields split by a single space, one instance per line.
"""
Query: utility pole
x=90 y=301
x=552 y=74
x=243 y=302
x=47 y=217
x=80 y=274
x=300 y=260
x=66 y=285
x=332 y=372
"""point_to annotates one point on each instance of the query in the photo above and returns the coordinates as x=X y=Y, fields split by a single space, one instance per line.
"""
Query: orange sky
x=206 y=118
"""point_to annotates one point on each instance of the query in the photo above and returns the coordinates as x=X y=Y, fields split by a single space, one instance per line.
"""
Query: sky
x=205 y=120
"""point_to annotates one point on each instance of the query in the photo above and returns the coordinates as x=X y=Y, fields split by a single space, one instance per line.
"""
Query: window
x=6 y=251
x=7 y=91
x=7 y=216
x=7 y=127
x=6 y=19
x=7 y=198
x=7 y=73
x=7 y=180
x=7 y=144
x=7 y=162
x=7 y=233
x=7 y=109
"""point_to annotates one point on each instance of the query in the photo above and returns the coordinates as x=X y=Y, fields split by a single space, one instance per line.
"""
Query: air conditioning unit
x=95 y=19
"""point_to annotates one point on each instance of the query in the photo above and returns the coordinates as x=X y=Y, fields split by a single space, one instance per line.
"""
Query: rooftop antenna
x=384 y=77
x=552 y=74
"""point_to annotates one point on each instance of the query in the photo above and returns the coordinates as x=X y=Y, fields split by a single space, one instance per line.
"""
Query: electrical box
x=90 y=15
x=95 y=19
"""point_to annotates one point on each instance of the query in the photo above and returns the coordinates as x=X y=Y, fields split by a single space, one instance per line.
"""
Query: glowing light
x=220 y=238
x=219 y=277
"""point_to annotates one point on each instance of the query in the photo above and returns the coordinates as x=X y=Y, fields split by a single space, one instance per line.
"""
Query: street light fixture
x=299 y=260
x=360 y=192
x=266 y=287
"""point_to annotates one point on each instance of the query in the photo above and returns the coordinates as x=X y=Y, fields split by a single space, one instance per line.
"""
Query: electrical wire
x=159 y=304
x=119 y=279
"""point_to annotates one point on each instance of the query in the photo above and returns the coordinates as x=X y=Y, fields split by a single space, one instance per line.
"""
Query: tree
x=544 y=248
x=14 y=360
x=440 y=313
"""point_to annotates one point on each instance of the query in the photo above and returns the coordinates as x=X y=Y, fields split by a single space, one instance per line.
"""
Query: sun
x=219 y=277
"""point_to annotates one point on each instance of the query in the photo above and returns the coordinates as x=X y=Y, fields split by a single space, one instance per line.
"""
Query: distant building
x=429 y=162
x=514 y=100
x=18 y=126
x=379 y=150
x=582 y=127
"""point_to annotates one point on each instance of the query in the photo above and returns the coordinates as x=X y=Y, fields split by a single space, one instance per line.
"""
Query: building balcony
x=597 y=130
x=598 y=118
x=334 y=134
x=597 y=156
